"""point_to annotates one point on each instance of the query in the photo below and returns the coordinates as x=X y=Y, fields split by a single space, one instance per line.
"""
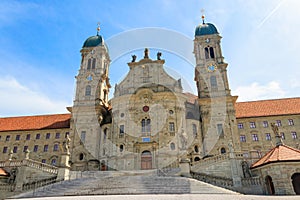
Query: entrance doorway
x=146 y=160
x=270 y=185
x=296 y=182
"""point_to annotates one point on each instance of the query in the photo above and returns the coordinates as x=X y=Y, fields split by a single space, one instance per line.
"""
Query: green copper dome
x=93 y=41
x=206 y=29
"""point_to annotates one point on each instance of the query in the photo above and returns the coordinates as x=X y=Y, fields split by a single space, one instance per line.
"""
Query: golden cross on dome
x=203 y=16
x=98 y=28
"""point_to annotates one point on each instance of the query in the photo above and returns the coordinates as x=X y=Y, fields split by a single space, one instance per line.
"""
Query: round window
x=146 y=108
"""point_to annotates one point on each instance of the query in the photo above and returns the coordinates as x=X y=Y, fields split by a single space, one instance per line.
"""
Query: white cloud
x=255 y=91
x=17 y=99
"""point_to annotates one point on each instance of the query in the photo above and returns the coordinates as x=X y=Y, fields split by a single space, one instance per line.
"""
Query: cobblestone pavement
x=174 y=197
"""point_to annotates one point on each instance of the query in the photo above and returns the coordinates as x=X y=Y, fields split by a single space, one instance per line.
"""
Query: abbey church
x=151 y=123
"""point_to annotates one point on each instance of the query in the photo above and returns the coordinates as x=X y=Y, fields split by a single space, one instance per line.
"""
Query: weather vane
x=98 y=28
x=203 y=16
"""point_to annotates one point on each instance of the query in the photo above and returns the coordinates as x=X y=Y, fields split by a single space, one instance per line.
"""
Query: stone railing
x=251 y=181
x=7 y=187
x=30 y=163
x=39 y=183
x=214 y=180
x=170 y=169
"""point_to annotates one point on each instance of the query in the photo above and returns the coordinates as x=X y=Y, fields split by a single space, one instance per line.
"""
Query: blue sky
x=40 y=43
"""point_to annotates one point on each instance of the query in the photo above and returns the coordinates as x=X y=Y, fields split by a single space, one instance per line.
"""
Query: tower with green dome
x=91 y=99
x=218 y=121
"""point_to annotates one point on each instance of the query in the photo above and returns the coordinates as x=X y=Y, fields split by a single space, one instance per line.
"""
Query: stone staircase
x=124 y=183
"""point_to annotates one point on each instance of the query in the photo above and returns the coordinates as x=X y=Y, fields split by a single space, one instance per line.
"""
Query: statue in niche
x=146 y=53
x=246 y=169
x=159 y=55
x=133 y=58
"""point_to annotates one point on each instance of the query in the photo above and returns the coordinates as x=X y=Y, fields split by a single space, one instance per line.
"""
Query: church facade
x=150 y=123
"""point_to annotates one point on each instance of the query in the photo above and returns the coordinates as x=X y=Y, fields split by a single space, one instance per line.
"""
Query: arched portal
x=270 y=185
x=296 y=183
x=146 y=160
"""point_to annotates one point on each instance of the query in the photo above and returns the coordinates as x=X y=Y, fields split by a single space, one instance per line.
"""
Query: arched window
x=53 y=161
x=206 y=53
x=88 y=90
x=81 y=156
x=55 y=147
x=196 y=149
x=223 y=150
x=146 y=125
x=121 y=148
x=94 y=63
x=89 y=64
x=194 y=130
x=213 y=82
x=172 y=146
x=211 y=52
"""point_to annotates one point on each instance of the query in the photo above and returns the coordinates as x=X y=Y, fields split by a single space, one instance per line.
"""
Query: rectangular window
x=220 y=129
x=55 y=147
x=17 y=137
x=28 y=137
x=254 y=137
x=4 y=149
x=15 y=149
x=122 y=131
x=291 y=122
x=25 y=148
x=240 y=125
x=38 y=136
x=48 y=136
x=268 y=136
x=57 y=135
x=242 y=138
x=282 y=135
x=7 y=138
x=35 y=148
x=252 y=125
x=213 y=82
x=82 y=136
x=294 y=135
x=46 y=148
x=278 y=123
x=265 y=124
x=171 y=127
x=43 y=160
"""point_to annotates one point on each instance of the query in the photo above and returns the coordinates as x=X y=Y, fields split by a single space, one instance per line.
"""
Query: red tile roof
x=191 y=97
x=279 y=153
x=35 y=122
x=3 y=172
x=273 y=107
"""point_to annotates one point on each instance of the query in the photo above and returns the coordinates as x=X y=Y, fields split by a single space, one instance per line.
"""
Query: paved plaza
x=174 y=197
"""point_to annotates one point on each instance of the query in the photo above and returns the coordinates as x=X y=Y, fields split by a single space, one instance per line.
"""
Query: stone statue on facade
x=158 y=55
x=183 y=140
x=66 y=144
x=274 y=128
x=12 y=176
x=246 y=169
x=146 y=53
x=133 y=58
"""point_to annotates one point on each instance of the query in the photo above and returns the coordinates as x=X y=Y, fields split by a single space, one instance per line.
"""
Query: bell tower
x=218 y=121
x=91 y=97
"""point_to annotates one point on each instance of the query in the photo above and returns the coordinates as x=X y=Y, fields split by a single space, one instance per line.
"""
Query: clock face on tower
x=211 y=67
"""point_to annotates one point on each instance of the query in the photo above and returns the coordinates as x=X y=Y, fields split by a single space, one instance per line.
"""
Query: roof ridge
x=268 y=100
x=35 y=115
